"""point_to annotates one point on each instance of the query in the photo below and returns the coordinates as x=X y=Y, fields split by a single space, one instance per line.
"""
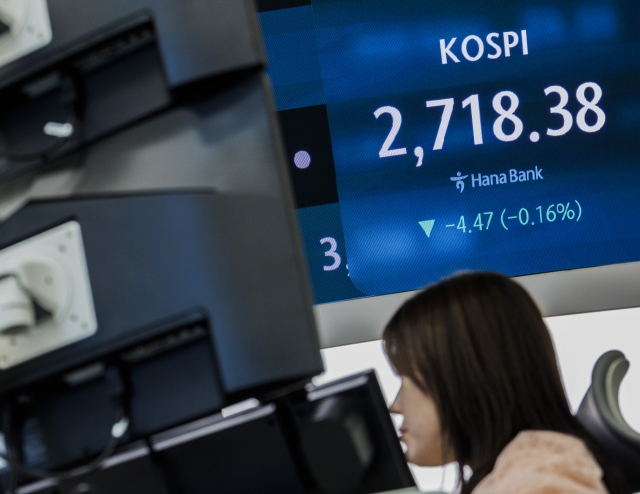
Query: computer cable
x=119 y=428
x=17 y=164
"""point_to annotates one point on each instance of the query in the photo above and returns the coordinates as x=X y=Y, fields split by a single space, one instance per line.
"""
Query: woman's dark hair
x=476 y=343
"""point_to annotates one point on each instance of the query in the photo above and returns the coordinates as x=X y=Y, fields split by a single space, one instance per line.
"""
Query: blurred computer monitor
x=149 y=254
x=269 y=448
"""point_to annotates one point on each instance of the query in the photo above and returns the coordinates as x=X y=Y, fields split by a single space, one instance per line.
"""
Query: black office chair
x=600 y=414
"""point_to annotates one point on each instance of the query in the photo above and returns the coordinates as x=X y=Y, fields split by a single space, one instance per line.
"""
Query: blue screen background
x=356 y=56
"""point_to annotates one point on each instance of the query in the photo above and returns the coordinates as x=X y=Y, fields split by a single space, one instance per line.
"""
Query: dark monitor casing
x=254 y=451
x=186 y=216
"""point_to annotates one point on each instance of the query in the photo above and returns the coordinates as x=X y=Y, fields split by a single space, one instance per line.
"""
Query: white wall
x=579 y=339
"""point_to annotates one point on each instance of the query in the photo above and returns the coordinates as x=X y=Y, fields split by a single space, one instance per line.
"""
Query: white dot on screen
x=535 y=137
x=302 y=159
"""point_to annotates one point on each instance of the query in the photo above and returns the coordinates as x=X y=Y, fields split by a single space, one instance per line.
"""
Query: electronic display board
x=427 y=137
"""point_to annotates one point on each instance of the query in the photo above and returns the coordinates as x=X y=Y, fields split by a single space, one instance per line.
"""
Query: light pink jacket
x=544 y=462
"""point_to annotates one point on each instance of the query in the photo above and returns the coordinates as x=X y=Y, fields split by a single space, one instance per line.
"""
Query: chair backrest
x=600 y=414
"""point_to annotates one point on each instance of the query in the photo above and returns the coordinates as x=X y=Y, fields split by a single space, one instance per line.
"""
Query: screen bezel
x=557 y=293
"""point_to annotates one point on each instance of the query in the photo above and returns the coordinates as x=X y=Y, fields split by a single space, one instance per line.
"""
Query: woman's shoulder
x=544 y=462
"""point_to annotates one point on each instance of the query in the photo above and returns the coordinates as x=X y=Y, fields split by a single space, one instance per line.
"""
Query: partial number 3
x=333 y=245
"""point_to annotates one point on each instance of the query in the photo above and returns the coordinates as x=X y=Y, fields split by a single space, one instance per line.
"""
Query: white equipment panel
x=52 y=270
x=29 y=28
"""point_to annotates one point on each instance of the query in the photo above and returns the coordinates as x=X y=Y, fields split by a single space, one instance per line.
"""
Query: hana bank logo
x=488 y=180
x=459 y=181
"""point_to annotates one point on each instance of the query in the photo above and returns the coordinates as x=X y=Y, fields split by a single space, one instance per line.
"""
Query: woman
x=481 y=386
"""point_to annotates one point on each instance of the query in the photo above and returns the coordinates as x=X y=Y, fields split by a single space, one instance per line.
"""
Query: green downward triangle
x=427 y=226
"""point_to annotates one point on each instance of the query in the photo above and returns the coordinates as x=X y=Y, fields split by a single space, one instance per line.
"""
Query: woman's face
x=421 y=425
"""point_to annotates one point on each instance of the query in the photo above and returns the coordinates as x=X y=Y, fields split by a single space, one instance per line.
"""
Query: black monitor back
x=187 y=221
x=260 y=450
x=169 y=252
x=186 y=216
x=197 y=40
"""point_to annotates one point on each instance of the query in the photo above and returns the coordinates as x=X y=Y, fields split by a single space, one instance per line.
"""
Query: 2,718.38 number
x=509 y=113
